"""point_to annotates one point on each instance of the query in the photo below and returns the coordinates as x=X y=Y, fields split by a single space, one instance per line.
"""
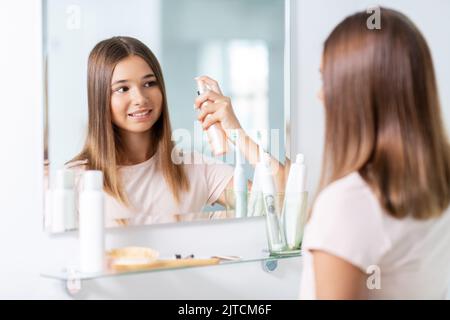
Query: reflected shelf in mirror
x=177 y=218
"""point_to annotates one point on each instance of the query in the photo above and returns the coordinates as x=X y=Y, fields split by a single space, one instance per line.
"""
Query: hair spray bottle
x=216 y=135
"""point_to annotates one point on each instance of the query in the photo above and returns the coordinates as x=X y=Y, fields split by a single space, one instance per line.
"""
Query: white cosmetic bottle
x=255 y=201
x=216 y=136
x=63 y=211
x=275 y=233
x=239 y=181
x=295 y=204
x=91 y=224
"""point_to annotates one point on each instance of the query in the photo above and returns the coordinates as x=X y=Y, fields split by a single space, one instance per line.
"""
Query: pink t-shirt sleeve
x=217 y=175
x=346 y=223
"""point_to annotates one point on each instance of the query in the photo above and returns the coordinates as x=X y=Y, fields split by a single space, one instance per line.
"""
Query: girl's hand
x=217 y=109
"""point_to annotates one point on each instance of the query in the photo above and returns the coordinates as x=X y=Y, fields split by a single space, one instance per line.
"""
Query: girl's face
x=136 y=99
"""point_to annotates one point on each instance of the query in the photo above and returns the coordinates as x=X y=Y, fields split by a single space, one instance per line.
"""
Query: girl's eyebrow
x=150 y=75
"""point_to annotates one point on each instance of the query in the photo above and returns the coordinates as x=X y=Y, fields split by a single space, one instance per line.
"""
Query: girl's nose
x=138 y=97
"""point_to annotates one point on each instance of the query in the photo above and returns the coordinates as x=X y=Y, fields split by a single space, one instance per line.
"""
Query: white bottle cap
x=201 y=87
x=65 y=179
x=300 y=158
x=93 y=180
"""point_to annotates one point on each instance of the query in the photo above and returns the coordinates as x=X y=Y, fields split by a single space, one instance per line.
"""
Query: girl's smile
x=140 y=115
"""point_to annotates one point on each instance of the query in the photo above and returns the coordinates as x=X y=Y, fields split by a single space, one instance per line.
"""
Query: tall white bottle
x=239 y=180
x=255 y=201
x=62 y=207
x=295 y=204
x=91 y=224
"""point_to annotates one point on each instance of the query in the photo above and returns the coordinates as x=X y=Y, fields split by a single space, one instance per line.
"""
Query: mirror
x=239 y=43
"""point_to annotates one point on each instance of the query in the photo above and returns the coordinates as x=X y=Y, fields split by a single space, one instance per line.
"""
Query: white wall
x=21 y=145
x=315 y=20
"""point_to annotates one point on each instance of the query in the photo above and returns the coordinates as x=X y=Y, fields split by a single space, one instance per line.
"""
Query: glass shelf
x=269 y=262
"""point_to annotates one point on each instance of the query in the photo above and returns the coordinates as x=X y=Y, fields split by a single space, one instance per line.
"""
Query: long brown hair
x=383 y=117
x=103 y=148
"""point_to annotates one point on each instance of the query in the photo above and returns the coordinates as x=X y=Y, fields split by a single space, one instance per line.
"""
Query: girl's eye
x=122 y=89
x=150 y=84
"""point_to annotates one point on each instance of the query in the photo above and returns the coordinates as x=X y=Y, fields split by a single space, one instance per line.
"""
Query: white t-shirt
x=348 y=222
x=151 y=196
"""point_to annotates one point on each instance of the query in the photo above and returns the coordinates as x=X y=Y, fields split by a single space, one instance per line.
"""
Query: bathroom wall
x=21 y=144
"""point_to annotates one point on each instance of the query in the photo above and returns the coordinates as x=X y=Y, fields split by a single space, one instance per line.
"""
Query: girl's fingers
x=206 y=109
x=207 y=96
x=210 y=119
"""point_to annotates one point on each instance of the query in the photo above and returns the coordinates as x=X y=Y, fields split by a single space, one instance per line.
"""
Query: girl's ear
x=319 y=95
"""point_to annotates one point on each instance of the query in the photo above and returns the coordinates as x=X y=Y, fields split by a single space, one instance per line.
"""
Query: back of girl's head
x=383 y=116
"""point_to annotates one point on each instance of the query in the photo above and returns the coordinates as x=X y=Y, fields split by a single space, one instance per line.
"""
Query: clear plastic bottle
x=275 y=233
x=295 y=204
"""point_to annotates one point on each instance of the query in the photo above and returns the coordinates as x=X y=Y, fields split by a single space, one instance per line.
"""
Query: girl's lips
x=142 y=115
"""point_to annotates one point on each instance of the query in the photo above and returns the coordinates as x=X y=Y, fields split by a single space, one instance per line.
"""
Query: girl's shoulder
x=349 y=187
x=349 y=198
x=348 y=212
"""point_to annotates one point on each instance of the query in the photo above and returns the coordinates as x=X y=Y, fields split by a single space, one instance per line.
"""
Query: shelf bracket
x=73 y=284
x=269 y=265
